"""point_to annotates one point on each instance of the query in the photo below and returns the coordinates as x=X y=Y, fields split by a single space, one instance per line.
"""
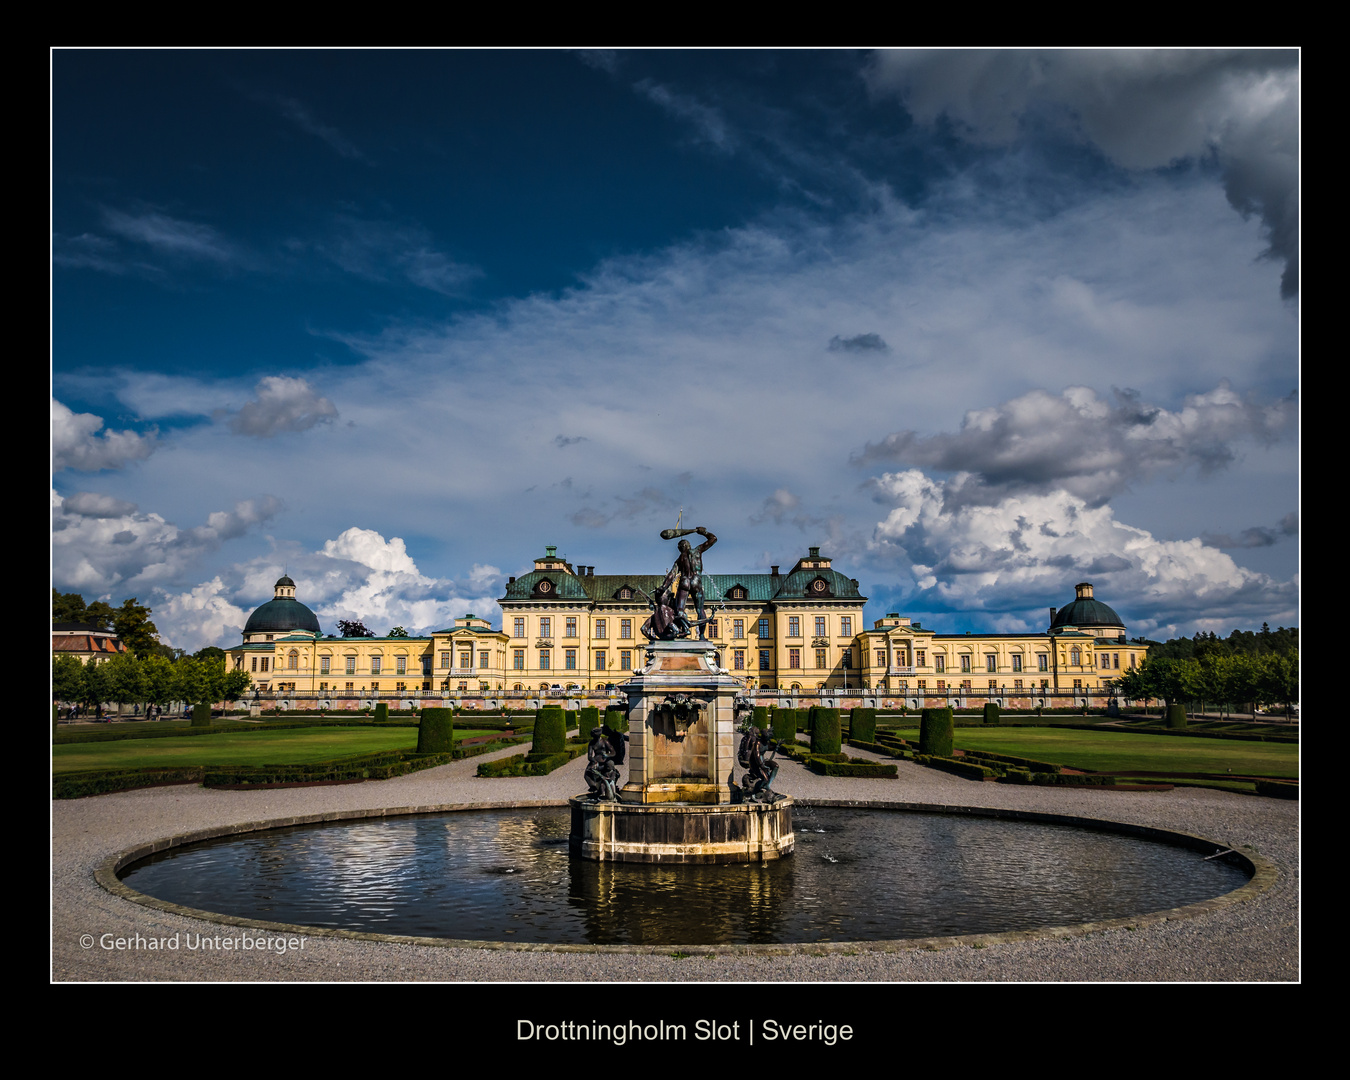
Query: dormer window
x=737 y=592
x=625 y=593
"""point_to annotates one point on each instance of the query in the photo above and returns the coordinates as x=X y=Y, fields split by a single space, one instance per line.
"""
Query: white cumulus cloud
x=77 y=444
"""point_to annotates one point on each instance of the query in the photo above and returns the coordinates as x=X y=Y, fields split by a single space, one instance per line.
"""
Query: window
x=764 y=628
x=426 y=669
x=794 y=658
x=1017 y=661
x=965 y=663
x=845 y=625
x=939 y=663
x=764 y=663
x=1045 y=684
x=445 y=656
x=255 y=663
x=351 y=665
x=600 y=660
x=1104 y=660
x=349 y=688
x=993 y=685
x=848 y=659
x=739 y=660
x=821 y=658
x=601 y=629
x=374 y=665
x=374 y=688
x=545 y=627
x=794 y=626
x=400 y=665
x=990 y=662
x=400 y=687
x=1076 y=656
x=323 y=687
x=1078 y=684
x=543 y=660
x=625 y=660
x=484 y=659
x=625 y=593
x=738 y=628
x=1131 y=661
x=1042 y=662
x=1017 y=684
x=1115 y=660
x=942 y=686
x=712 y=628
x=517 y=629
x=923 y=685
x=323 y=664
x=820 y=626
x=518 y=660
x=570 y=659
x=466 y=658
x=919 y=657
x=292 y=660
x=965 y=685
x=571 y=626
x=625 y=628
x=881 y=658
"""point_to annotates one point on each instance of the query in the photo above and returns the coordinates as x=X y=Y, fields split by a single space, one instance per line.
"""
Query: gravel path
x=1256 y=940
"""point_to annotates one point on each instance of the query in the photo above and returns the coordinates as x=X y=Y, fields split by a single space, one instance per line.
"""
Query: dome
x=285 y=579
x=1086 y=612
x=281 y=616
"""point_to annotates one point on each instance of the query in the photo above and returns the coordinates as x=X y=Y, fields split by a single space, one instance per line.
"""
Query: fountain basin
x=681 y=832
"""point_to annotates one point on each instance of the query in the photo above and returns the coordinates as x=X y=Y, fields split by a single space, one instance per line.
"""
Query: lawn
x=285 y=747
x=1112 y=752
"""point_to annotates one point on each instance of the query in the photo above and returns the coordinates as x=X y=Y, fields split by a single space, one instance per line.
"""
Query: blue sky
x=980 y=324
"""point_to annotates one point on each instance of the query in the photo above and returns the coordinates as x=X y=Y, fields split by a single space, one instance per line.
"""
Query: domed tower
x=281 y=615
x=1087 y=615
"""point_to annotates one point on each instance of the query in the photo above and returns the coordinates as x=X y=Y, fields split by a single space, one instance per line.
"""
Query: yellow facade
x=567 y=628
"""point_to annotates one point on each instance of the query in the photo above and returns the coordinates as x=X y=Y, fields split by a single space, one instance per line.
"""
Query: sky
x=979 y=324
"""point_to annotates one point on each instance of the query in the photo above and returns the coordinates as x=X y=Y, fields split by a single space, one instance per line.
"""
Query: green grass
x=1114 y=751
x=286 y=747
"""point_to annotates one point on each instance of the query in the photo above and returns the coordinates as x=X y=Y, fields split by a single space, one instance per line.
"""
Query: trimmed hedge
x=991 y=712
x=935 y=733
x=588 y=717
x=854 y=767
x=862 y=725
x=550 y=731
x=958 y=767
x=102 y=781
x=824 y=730
x=784 y=723
x=436 y=733
x=616 y=719
x=381 y=713
x=528 y=764
x=1176 y=716
x=201 y=716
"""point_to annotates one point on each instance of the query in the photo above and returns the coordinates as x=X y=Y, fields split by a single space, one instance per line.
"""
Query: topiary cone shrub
x=991 y=712
x=436 y=732
x=589 y=718
x=550 y=731
x=616 y=719
x=824 y=730
x=935 y=732
x=381 y=712
x=201 y=716
x=1176 y=716
x=785 y=725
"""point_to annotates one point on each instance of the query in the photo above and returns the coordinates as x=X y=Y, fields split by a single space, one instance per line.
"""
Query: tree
x=100 y=615
x=210 y=652
x=126 y=679
x=236 y=685
x=67 y=607
x=397 y=631
x=353 y=628
x=133 y=626
x=159 y=679
x=67 y=679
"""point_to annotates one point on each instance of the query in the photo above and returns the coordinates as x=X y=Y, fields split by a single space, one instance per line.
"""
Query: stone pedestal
x=677 y=803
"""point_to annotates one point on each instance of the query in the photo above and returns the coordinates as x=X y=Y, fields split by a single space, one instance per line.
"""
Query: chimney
x=773 y=570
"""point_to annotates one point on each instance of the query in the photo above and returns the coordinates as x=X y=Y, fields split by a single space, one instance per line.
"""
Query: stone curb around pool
x=1263 y=876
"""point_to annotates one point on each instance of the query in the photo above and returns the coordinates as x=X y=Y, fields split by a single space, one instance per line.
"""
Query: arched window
x=293 y=660
x=1075 y=656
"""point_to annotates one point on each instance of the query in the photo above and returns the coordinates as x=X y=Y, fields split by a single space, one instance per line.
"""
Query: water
x=505 y=875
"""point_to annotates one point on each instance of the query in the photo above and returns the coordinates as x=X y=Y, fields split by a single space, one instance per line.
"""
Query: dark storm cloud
x=1082 y=444
x=1142 y=109
x=861 y=343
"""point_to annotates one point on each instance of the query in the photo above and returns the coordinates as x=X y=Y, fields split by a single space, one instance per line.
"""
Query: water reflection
x=505 y=875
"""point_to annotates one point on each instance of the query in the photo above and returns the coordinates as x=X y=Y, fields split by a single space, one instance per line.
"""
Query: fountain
x=682 y=717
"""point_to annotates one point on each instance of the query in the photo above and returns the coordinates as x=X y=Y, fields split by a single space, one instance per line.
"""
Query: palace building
x=565 y=627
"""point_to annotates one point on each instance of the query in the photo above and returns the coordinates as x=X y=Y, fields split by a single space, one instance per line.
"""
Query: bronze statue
x=755 y=787
x=604 y=755
x=688 y=569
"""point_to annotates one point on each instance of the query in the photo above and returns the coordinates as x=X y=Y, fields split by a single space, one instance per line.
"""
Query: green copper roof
x=281 y=615
x=603 y=588
x=1087 y=612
